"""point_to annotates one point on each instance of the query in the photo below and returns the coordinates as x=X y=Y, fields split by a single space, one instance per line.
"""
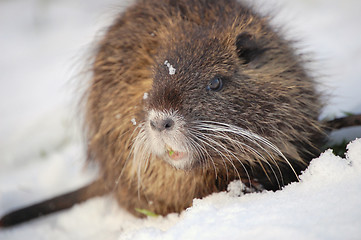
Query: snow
x=323 y=205
x=171 y=69
x=145 y=96
x=43 y=51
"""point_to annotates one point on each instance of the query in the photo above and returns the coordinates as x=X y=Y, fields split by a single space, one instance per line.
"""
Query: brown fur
x=278 y=98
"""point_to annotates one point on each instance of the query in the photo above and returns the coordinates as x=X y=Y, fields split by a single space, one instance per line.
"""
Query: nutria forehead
x=185 y=66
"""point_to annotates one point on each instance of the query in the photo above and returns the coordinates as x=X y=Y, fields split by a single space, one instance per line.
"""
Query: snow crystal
x=236 y=188
x=354 y=152
x=133 y=121
x=145 y=96
x=170 y=67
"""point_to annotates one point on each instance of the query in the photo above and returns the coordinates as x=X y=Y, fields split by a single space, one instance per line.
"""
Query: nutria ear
x=248 y=47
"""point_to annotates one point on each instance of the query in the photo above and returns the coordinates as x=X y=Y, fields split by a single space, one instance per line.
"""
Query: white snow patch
x=133 y=121
x=236 y=188
x=323 y=205
x=170 y=67
x=145 y=96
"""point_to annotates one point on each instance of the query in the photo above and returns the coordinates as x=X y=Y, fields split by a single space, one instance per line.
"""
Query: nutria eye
x=215 y=84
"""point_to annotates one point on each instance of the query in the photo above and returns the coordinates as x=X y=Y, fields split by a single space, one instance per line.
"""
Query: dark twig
x=348 y=121
x=53 y=205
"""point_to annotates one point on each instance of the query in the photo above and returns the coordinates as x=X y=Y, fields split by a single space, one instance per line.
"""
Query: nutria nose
x=162 y=124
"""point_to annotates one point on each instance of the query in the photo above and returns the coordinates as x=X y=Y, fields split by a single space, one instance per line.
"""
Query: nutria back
x=188 y=95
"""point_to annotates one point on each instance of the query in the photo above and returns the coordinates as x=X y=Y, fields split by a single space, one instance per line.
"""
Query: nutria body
x=188 y=95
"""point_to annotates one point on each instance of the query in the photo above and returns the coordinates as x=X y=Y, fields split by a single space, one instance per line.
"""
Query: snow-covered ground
x=43 y=46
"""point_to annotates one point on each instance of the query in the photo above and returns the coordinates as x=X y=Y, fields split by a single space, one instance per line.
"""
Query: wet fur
x=267 y=93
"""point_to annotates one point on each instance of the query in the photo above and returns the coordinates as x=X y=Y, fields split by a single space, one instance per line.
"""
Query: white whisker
x=224 y=140
x=141 y=154
x=224 y=148
x=241 y=145
x=222 y=131
x=200 y=150
x=209 y=140
x=128 y=157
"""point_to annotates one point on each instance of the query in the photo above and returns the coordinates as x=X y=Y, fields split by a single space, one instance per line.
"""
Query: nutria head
x=224 y=97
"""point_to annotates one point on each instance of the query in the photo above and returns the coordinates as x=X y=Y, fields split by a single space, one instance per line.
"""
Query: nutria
x=189 y=95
